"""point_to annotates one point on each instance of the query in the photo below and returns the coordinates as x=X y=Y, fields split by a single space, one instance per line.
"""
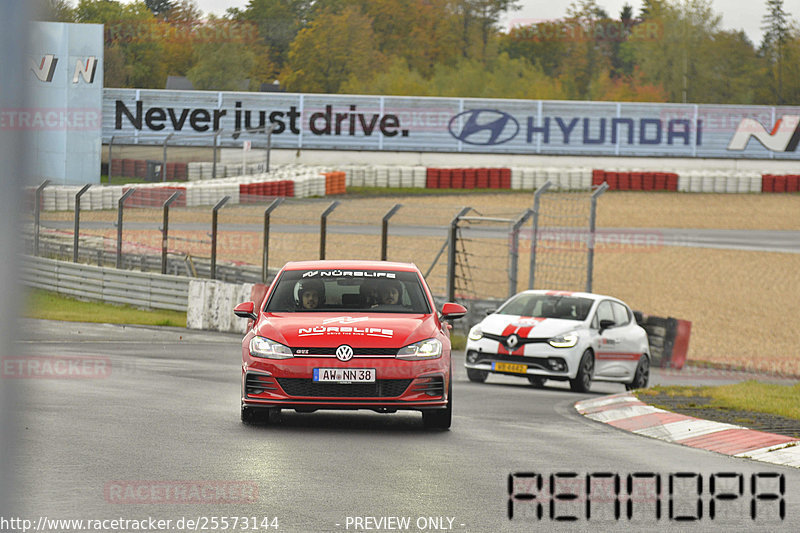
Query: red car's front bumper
x=399 y=384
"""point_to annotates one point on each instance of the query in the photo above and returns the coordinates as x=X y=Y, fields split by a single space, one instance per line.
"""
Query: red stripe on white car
x=617 y=356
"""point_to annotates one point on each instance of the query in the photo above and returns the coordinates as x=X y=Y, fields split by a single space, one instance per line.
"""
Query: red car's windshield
x=368 y=291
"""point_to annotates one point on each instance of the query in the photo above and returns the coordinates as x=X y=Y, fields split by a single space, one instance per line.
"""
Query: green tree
x=477 y=21
x=503 y=78
x=278 y=22
x=334 y=48
x=221 y=66
x=159 y=7
x=54 y=11
x=775 y=25
x=674 y=57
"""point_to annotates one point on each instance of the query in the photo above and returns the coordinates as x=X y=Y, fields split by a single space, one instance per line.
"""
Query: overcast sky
x=736 y=14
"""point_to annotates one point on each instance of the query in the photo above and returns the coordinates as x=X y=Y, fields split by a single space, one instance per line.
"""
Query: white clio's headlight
x=427 y=349
x=475 y=334
x=263 y=347
x=564 y=341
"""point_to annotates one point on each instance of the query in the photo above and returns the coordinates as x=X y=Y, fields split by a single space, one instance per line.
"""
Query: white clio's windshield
x=350 y=291
x=547 y=306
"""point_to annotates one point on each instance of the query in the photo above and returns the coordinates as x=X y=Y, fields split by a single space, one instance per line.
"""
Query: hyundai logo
x=484 y=127
x=344 y=353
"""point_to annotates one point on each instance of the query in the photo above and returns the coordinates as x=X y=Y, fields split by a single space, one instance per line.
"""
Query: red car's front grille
x=382 y=388
x=356 y=351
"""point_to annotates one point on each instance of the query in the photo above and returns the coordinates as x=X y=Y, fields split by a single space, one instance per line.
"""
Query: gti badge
x=344 y=353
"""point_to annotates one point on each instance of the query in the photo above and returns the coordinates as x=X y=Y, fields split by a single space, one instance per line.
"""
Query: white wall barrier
x=211 y=304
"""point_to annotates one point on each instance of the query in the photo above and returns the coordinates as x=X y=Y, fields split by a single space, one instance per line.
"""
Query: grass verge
x=52 y=306
x=753 y=396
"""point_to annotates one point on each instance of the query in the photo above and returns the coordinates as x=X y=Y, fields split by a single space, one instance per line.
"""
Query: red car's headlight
x=269 y=349
x=427 y=349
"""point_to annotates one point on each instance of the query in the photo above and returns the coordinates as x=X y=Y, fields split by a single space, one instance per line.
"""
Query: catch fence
x=465 y=251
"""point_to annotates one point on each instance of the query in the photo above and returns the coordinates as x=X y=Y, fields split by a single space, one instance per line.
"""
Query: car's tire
x=478 y=376
x=641 y=377
x=259 y=415
x=440 y=418
x=537 y=381
x=583 y=379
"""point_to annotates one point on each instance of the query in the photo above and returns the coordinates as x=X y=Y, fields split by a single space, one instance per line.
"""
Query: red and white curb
x=625 y=411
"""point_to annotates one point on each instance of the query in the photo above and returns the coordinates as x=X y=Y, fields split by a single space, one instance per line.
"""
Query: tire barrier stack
x=668 y=339
x=625 y=180
x=397 y=176
x=780 y=183
x=295 y=181
x=302 y=182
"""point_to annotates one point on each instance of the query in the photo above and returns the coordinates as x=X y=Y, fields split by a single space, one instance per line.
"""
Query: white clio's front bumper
x=535 y=359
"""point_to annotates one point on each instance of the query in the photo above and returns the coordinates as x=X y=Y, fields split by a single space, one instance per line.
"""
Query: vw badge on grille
x=512 y=340
x=344 y=353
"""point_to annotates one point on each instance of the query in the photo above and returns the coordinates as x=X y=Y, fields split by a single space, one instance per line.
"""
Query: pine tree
x=776 y=32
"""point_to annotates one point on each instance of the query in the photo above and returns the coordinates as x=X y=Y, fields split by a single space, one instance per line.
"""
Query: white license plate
x=346 y=375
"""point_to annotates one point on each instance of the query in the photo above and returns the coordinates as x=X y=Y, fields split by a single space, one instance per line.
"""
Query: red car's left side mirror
x=246 y=310
x=451 y=311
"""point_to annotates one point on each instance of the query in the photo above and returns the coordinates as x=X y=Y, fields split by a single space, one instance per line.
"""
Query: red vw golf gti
x=348 y=335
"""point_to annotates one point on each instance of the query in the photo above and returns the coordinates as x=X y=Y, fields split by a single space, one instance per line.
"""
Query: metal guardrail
x=140 y=289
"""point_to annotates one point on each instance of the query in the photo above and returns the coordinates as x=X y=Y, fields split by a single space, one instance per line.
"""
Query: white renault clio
x=575 y=336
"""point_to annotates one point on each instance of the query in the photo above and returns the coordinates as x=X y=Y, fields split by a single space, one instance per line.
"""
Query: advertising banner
x=358 y=122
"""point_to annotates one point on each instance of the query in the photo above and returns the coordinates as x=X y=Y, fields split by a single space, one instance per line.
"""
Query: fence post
x=534 y=235
x=120 y=207
x=214 y=144
x=265 y=256
x=385 y=229
x=513 y=254
x=269 y=143
x=110 y=158
x=36 y=214
x=451 y=255
x=164 y=159
x=77 y=222
x=592 y=230
x=323 y=227
x=214 y=216
x=165 y=230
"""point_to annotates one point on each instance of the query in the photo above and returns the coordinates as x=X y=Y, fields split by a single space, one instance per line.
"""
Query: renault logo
x=512 y=340
x=344 y=353
x=484 y=127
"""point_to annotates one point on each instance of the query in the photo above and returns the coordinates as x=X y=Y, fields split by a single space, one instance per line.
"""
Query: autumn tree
x=334 y=48
x=130 y=30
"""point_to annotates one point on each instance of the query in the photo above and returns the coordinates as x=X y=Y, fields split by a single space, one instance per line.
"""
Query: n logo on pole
x=46 y=68
x=85 y=70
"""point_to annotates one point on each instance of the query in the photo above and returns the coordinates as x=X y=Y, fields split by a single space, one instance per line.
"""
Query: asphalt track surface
x=787 y=241
x=168 y=412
